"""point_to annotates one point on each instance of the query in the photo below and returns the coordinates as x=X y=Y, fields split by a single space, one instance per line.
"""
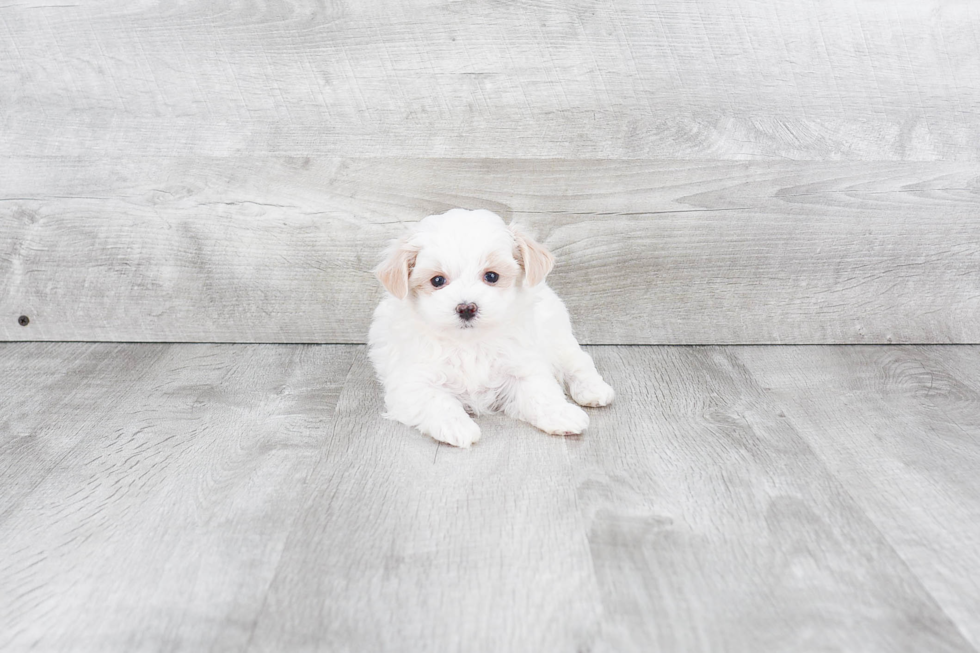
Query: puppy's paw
x=591 y=391
x=562 y=419
x=458 y=431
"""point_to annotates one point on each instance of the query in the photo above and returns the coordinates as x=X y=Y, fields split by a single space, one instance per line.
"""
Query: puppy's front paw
x=457 y=431
x=591 y=391
x=562 y=419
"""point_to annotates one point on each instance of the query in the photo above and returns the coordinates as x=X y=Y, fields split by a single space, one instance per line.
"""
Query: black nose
x=466 y=311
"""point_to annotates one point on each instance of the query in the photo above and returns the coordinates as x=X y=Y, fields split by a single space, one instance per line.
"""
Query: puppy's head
x=463 y=269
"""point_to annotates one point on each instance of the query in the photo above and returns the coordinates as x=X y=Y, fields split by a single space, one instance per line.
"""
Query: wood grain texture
x=251 y=498
x=844 y=79
x=280 y=250
x=713 y=525
x=148 y=489
x=406 y=544
x=900 y=428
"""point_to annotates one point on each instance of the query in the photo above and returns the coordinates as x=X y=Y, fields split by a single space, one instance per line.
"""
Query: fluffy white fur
x=515 y=355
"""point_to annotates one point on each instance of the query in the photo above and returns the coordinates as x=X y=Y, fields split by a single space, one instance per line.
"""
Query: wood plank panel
x=216 y=497
x=843 y=79
x=280 y=250
x=406 y=544
x=53 y=396
x=900 y=427
x=714 y=526
x=148 y=489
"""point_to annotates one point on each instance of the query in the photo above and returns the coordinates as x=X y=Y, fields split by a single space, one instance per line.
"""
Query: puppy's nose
x=466 y=311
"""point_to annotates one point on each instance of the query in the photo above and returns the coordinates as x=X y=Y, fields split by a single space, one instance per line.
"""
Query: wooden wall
x=706 y=172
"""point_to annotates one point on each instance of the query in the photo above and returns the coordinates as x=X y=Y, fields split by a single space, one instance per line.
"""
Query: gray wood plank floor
x=250 y=497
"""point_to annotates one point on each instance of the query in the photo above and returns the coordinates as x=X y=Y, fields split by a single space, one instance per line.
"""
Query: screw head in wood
x=23 y=320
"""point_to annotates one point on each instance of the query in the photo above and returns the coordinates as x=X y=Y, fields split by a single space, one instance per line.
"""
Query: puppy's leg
x=575 y=366
x=584 y=382
x=432 y=411
x=540 y=400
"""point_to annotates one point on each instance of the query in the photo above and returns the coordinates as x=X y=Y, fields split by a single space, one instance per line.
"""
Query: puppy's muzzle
x=466 y=312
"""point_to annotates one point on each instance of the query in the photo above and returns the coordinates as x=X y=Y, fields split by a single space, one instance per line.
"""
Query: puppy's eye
x=491 y=277
x=438 y=281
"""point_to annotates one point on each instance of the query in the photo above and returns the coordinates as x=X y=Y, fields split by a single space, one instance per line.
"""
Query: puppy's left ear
x=532 y=256
x=393 y=272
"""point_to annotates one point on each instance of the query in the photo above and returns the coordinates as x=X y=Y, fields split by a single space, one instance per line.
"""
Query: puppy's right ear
x=399 y=259
x=536 y=260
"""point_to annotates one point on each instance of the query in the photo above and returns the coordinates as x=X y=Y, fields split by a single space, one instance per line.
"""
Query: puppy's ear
x=532 y=255
x=399 y=259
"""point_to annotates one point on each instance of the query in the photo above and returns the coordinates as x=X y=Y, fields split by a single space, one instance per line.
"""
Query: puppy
x=469 y=326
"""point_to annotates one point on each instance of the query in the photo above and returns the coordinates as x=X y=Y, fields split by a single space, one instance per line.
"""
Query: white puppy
x=469 y=326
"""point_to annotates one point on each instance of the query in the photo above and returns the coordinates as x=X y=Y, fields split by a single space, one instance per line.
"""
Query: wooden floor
x=250 y=497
